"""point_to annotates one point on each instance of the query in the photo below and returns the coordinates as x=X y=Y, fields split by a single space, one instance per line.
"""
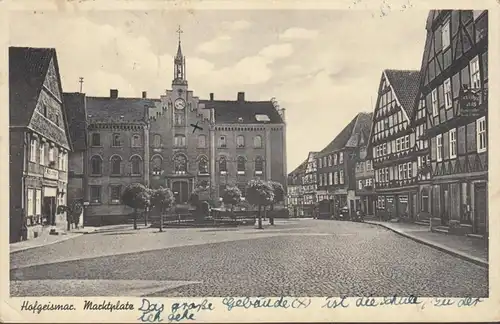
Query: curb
x=436 y=246
x=69 y=237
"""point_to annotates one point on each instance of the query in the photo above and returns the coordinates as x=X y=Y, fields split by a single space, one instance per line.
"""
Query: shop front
x=402 y=205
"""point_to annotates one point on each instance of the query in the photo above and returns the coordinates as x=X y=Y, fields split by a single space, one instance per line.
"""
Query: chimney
x=211 y=96
x=241 y=96
x=144 y=95
x=113 y=93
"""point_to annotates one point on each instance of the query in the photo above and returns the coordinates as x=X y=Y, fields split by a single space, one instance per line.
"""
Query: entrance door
x=445 y=217
x=180 y=189
x=480 y=208
x=49 y=210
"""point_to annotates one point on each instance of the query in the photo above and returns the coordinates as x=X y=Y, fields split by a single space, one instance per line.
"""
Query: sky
x=322 y=66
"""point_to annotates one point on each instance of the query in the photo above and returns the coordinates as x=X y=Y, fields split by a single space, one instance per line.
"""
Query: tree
x=259 y=193
x=231 y=196
x=136 y=196
x=162 y=198
x=279 y=196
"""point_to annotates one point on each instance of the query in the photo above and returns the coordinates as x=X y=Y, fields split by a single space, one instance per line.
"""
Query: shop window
x=95 y=194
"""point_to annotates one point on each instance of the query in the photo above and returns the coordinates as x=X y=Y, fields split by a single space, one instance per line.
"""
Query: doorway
x=481 y=208
x=445 y=198
x=49 y=210
x=181 y=191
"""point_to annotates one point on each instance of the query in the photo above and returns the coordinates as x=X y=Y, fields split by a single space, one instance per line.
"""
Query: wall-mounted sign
x=389 y=199
x=51 y=174
x=470 y=102
x=403 y=199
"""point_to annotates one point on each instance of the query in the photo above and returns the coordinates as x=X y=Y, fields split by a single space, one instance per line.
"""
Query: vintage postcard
x=182 y=161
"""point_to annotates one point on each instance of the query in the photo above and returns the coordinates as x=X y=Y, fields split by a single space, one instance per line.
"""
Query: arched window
x=223 y=164
x=240 y=141
x=241 y=165
x=136 y=165
x=259 y=165
x=156 y=165
x=117 y=140
x=257 y=141
x=96 y=165
x=136 y=140
x=179 y=141
x=116 y=165
x=202 y=141
x=180 y=164
x=157 y=140
x=203 y=165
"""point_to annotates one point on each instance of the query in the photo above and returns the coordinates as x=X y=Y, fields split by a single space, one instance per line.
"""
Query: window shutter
x=446 y=145
x=471 y=137
x=461 y=140
x=433 y=148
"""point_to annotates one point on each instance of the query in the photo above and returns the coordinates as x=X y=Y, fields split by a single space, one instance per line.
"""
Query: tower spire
x=179 y=63
x=179 y=51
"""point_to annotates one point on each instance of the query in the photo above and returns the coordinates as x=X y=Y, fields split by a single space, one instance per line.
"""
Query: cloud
x=236 y=25
x=276 y=51
x=220 y=44
x=299 y=33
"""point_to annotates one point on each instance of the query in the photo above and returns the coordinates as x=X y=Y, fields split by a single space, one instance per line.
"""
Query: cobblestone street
x=295 y=257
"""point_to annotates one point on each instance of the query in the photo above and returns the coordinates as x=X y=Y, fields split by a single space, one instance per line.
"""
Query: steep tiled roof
x=349 y=136
x=27 y=70
x=106 y=109
x=300 y=168
x=406 y=85
x=74 y=104
x=230 y=112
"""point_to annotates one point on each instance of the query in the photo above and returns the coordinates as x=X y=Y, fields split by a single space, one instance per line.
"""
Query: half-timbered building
x=393 y=145
x=455 y=94
x=295 y=191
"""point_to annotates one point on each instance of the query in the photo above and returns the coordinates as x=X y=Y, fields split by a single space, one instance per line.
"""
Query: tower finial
x=179 y=31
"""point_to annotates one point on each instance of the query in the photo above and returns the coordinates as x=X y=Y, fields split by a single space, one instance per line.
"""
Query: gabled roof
x=300 y=168
x=406 y=85
x=350 y=135
x=106 y=109
x=243 y=112
x=27 y=70
x=74 y=104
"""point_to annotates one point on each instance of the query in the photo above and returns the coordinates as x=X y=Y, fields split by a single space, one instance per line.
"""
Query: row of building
x=422 y=154
x=67 y=147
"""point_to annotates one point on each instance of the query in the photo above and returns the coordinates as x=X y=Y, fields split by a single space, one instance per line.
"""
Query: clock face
x=180 y=104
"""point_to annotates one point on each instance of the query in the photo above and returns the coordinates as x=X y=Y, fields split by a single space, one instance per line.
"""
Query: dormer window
x=240 y=120
x=262 y=118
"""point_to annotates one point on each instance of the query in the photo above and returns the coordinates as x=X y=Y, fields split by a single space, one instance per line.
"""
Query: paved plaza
x=293 y=258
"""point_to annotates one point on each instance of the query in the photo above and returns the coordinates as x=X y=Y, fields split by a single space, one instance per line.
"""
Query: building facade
x=365 y=179
x=336 y=164
x=295 y=192
x=39 y=143
x=455 y=91
x=393 y=145
x=310 y=185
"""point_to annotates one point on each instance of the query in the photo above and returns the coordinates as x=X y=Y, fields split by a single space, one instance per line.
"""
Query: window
x=95 y=194
x=136 y=165
x=320 y=164
x=335 y=178
x=407 y=141
x=240 y=141
x=223 y=165
x=136 y=141
x=259 y=165
x=96 y=165
x=447 y=94
x=180 y=164
x=360 y=184
x=33 y=150
x=222 y=141
x=203 y=165
x=156 y=140
x=41 y=148
x=475 y=78
x=180 y=141
x=241 y=165
x=115 y=194
x=434 y=96
x=60 y=160
x=335 y=159
x=357 y=166
x=202 y=141
x=116 y=165
x=341 y=176
x=38 y=202
x=321 y=180
x=482 y=141
x=330 y=178
x=398 y=144
x=368 y=182
x=179 y=119
x=341 y=157
x=409 y=170
x=157 y=165
x=96 y=139
x=117 y=140
x=257 y=141
x=453 y=143
x=30 y=208
x=445 y=33
x=425 y=200
x=385 y=148
x=51 y=154
x=439 y=147
x=368 y=165
x=324 y=161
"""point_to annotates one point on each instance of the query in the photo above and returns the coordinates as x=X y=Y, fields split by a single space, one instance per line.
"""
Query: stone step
x=424 y=222
x=479 y=236
x=441 y=229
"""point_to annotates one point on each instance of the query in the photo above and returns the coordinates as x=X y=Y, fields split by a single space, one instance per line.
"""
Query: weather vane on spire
x=179 y=31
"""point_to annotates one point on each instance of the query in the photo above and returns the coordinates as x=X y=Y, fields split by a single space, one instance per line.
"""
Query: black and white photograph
x=241 y=153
